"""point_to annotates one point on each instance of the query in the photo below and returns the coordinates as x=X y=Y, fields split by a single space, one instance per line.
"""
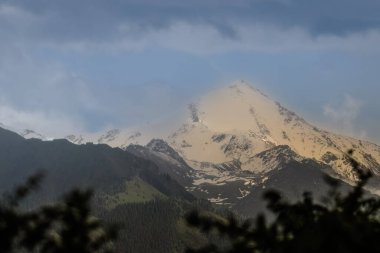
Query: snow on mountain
x=263 y=162
x=76 y=139
x=29 y=134
x=238 y=122
x=167 y=160
x=26 y=133
x=113 y=137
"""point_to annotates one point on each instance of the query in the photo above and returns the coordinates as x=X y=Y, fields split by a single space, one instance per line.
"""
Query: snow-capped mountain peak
x=29 y=134
x=26 y=133
x=239 y=121
x=236 y=107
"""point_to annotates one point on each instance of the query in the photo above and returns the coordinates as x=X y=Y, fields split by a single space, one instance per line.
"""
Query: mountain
x=234 y=136
x=114 y=137
x=238 y=122
x=26 y=133
x=229 y=131
x=292 y=178
x=232 y=139
x=129 y=190
x=166 y=158
x=30 y=134
x=67 y=166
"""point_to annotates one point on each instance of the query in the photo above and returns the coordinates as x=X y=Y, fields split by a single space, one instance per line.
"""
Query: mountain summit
x=239 y=121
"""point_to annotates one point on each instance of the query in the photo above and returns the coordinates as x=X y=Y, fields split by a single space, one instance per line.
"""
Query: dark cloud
x=103 y=20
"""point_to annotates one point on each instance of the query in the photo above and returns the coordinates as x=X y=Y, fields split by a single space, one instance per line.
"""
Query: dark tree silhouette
x=349 y=223
x=66 y=226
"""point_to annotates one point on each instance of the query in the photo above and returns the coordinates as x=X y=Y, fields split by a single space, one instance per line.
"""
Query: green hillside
x=135 y=191
x=129 y=191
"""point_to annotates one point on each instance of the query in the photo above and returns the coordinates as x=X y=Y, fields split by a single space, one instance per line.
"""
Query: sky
x=86 y=65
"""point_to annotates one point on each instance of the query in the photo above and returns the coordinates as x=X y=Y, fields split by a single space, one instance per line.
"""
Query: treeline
x=148 y=227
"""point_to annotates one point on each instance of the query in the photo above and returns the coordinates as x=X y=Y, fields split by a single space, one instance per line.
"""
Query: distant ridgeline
x=129 y=190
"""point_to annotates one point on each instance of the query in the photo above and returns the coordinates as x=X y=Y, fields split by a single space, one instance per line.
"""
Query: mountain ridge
x=224 y=139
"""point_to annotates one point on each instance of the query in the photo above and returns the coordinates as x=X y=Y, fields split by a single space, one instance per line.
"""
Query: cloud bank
x=101 y=20
x=193 y=27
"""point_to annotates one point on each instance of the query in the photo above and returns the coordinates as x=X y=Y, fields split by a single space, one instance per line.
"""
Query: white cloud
x=344 y=114
x=205 y=39
x=50 y=125
x=46 y=97
x=42 y=96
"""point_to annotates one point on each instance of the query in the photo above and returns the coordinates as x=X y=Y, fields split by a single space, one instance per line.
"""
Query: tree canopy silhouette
x=66 y=226
x=342 y=223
